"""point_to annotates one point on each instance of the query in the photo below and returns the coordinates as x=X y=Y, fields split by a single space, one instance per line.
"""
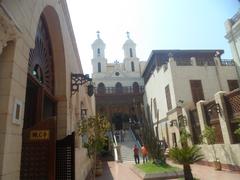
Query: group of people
x=144 y=153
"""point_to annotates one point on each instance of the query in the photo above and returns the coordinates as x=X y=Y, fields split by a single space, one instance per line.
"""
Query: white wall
x=233 y=37
x=207 y=74
x=155 y=88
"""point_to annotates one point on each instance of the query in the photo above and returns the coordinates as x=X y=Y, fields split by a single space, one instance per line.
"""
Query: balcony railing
x=123 y=90
x=235 y=18
x=227 y=62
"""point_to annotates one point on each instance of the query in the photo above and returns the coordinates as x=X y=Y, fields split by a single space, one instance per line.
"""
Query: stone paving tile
x=122 y=171
x=117 y=171
x=209 y=173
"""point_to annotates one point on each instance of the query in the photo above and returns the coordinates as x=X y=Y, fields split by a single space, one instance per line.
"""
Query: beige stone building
x=38 y=53
x=175 y=80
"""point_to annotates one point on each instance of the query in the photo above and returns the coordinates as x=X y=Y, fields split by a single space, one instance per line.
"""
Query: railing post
x=193 y=60
x=223 y=118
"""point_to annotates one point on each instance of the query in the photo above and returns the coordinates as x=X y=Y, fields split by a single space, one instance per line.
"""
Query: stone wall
x=18 y=25
x=226 y=153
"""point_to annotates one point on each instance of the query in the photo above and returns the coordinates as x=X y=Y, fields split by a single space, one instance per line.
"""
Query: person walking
x=144 y=153
x=136 y=154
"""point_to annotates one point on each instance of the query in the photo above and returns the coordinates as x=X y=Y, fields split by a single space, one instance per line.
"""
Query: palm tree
x=186 y=156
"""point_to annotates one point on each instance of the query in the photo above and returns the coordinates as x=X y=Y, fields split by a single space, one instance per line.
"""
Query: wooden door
x=39 y=128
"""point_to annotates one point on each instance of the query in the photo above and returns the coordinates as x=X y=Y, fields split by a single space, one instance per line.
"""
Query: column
x=188 y=125
x=223 y=118
x=201 y=114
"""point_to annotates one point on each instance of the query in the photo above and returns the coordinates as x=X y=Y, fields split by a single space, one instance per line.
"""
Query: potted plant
x=95 y=128
x=209 y=135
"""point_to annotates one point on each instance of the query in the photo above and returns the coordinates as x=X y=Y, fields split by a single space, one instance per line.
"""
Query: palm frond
x=186 y=155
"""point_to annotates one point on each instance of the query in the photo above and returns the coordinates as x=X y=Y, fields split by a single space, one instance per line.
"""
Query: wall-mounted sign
x=39 y=135
x=17 y=112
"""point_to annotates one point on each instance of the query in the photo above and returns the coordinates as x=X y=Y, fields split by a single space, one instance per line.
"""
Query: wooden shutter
x=197 y=90
x=232 y=84
x=168 y=97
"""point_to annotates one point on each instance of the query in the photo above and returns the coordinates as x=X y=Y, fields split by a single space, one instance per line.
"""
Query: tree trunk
x=187 y=172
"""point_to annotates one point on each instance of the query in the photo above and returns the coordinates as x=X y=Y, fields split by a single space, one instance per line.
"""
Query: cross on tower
x=128 y=35
x=98 y=34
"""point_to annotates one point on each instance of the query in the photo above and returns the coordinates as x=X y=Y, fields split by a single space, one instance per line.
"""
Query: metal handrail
x=115 y=146
x=135 y=139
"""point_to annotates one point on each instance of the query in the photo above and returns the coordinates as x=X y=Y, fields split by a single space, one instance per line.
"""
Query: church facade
x=119 y=86
x=38 y=111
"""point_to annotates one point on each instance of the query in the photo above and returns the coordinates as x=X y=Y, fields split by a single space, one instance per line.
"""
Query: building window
x=197 y=90
x=174 y=139
x=156 y=129
x=135 y=87
x=119 y=88
x=232 y=84
x=132 y=66
x=99 y=67
x=101 y=88
x=168 y=97
x=131 y=53
x=98 y=52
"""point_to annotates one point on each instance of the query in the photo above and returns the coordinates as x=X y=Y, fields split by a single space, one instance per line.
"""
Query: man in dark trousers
x=136 y=154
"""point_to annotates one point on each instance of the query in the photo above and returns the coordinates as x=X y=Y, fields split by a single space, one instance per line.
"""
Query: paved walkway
x=117 y=171
x=122 y=171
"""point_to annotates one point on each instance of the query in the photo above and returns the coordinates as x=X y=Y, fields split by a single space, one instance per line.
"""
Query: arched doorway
x=135 y=87
x=119 y=88
x=39 y=129
x=101 y=88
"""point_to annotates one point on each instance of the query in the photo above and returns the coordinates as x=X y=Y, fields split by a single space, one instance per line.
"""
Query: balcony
x=125 y=90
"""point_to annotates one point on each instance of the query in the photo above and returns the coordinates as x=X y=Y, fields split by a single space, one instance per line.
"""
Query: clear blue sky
x=153 y=24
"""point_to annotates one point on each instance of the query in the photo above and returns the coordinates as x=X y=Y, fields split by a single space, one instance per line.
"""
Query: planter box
x=157 y=176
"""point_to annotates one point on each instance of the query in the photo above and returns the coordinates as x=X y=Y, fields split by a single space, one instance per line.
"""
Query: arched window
x=101 y=88
x=135 y=87
x=132 y=66
x=131 y=53
x=119 y=88
x=99 y=67
x=98 y=51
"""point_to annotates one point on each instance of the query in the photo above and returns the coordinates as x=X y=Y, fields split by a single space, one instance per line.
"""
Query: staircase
x=126 y=147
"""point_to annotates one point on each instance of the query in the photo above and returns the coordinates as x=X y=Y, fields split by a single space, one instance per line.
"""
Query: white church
x=115 y=74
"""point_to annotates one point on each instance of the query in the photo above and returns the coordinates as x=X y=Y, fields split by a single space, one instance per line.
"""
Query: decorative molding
x=8 y=30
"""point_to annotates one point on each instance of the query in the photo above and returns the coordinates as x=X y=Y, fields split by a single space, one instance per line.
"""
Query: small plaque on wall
x=17 y=112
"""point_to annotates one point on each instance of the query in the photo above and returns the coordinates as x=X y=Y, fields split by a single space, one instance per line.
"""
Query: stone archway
x=59 y=65
x=45 y=94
